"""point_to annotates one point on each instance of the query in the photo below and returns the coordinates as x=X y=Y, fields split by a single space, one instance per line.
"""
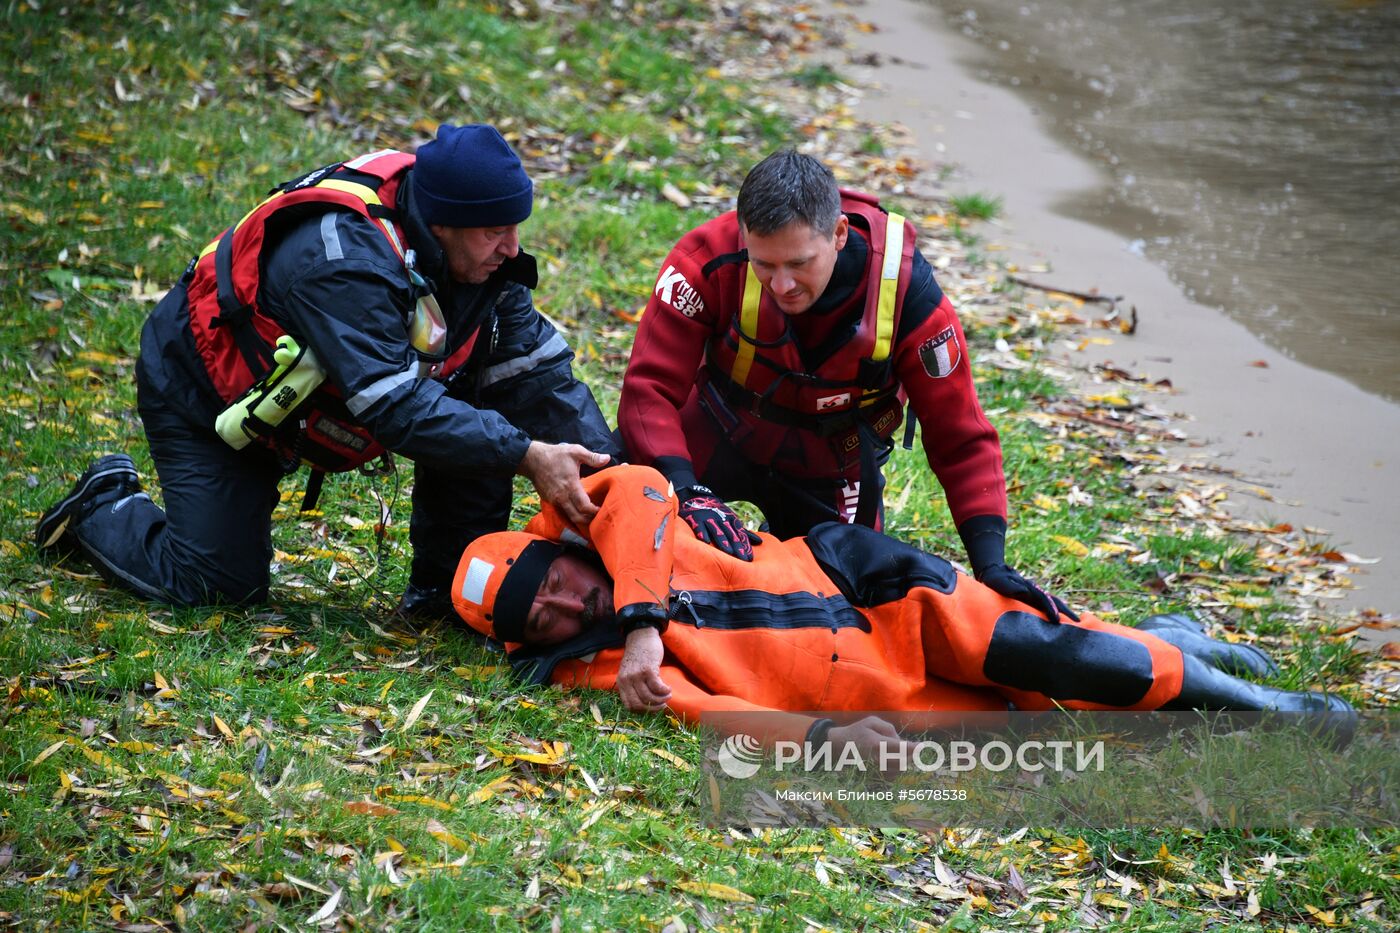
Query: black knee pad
x=1067 y=662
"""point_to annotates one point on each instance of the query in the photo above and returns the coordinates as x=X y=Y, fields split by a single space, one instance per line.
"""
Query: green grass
x=964 y=208
x=975 y=206
x=821 y=75
x=222 y=769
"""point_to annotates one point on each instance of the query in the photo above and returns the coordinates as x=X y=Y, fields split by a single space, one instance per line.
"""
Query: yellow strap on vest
x=889 y=287
x=369 y=196
x=884 y=322
x=748 y=327
x=354 y=189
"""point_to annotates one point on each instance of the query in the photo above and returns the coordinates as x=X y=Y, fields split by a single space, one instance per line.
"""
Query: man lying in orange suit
x=844 y=619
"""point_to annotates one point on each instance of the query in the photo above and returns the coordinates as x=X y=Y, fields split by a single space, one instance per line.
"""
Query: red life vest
x=755 y=372
x=235 y=338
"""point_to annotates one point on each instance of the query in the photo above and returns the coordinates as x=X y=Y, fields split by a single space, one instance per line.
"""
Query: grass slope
x=304 y=764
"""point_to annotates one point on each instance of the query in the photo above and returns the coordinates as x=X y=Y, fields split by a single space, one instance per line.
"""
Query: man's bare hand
x=871 y=735
x=554 y=471
x=639 y=675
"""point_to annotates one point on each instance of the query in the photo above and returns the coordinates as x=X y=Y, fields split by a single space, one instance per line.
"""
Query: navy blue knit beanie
x=470 y=177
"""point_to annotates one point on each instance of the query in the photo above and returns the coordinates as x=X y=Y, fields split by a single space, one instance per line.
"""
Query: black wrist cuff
x=678 y=470
x=817 y=732
x=984 y=537
x=642 y=615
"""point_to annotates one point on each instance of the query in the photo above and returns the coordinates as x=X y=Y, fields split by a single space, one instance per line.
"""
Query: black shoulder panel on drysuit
x=1067 y=662
x=724 y=259
x=871 y=568
x=535 y=665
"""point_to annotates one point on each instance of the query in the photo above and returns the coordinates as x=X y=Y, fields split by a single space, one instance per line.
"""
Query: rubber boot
x=425 y=604
x=1174 y=620
x=1188 y=635
x=1205 y=688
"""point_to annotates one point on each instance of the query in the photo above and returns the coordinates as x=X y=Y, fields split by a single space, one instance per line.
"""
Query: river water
x=1252 y=147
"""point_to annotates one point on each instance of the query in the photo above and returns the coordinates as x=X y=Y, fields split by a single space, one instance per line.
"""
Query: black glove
x=985 y=539
x=715 y=523
x=1009 y=583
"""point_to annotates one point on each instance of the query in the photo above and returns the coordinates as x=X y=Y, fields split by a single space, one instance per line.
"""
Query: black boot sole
x=53 y=524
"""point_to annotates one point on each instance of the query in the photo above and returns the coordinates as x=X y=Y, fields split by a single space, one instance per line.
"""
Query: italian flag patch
x=941 y=354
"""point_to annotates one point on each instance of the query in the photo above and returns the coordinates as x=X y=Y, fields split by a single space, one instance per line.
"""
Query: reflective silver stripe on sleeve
x=554 y=346
x=330 y=237
x=369 y=157
x=377 y=390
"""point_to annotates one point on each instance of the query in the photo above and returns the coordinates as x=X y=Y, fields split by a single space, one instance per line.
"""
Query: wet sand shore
x=1308 y=448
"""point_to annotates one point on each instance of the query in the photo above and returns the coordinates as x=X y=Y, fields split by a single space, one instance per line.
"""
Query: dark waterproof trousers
x=212 y=543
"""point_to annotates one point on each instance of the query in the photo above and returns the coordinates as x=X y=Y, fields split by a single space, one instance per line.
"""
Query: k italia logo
x=678 y=293
x=739 y=755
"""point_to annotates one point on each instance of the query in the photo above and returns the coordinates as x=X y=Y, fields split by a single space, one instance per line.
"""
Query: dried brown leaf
x=370 y=808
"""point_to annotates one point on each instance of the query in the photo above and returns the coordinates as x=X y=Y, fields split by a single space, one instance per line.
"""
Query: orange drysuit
x=844 y=619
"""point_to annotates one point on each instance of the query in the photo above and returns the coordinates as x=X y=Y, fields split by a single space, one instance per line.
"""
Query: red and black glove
x=715 y=523
x=985 y=539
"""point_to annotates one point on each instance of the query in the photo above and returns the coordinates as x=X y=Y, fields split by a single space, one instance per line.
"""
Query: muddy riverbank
x=1308 y=448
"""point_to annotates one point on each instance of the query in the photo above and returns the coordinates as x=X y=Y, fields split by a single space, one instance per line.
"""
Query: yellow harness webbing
x=748 y=327
x=354 y=189
x=884 y=319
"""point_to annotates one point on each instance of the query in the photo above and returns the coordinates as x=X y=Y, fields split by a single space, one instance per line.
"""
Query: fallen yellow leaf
x=713 y=889
x=486 y=793
x=417 y=798
x=673 y=758
x=443 y=834
x=46 y=753
x=102 y=761
x=1325 y=917
x=1072 y=546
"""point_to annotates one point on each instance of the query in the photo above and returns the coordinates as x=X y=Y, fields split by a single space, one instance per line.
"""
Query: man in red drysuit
x=773 y=361
x=843 y=619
